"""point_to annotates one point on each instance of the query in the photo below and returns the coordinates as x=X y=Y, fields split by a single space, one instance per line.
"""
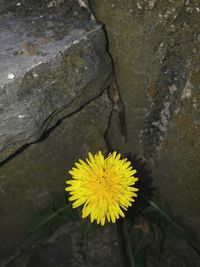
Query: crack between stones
x=113 y=92
x=46 y=133
x=118 y=106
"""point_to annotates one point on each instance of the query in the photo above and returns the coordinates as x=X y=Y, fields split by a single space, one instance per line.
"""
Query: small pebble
x=35 y=75
x=21 y=116
x=11 y=76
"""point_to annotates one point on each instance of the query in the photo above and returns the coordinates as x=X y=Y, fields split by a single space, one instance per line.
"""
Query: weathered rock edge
x=80 y=70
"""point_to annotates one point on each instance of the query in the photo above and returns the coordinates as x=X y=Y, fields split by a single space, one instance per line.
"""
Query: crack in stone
x=119 y=107
x=46 y=133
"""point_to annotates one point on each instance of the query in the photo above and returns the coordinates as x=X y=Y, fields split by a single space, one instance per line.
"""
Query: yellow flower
x=104 y=186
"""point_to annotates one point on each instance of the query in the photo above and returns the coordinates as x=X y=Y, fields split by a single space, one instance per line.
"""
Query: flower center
x=105 y=181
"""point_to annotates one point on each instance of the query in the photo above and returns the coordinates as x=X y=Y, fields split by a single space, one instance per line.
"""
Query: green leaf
x=53 y=216
x=179 y=230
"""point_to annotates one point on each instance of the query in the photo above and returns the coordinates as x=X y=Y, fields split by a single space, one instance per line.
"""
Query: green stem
x=122 y=245
x=128 y=245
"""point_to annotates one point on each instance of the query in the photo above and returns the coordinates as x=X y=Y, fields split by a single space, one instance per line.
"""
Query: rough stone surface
x=155 y=49
x=67 y=247
x=52 y=62
x=34 y=177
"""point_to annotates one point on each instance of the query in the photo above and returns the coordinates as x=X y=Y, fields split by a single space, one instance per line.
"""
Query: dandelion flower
x=104 y=186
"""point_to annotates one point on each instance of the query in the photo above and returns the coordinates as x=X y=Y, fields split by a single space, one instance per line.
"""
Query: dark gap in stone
x=115 y=98
x=46 y=133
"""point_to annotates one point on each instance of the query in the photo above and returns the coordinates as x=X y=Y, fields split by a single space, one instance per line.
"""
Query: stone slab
x=49 y=59
x=66 y=247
